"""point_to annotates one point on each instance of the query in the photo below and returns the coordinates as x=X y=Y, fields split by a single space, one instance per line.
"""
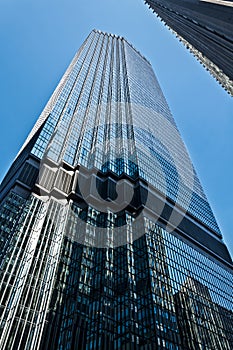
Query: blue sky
x=38 y=41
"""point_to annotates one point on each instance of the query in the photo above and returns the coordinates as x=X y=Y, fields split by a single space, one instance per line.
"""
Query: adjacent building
x=205 y=27
x=107 y=237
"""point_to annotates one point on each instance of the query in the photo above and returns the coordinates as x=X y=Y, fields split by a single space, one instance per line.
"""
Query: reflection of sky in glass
x=184 y=261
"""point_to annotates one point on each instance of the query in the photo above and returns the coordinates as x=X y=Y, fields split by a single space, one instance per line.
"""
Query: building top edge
x=118 y=37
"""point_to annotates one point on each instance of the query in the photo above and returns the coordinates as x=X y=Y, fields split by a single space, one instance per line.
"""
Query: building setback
x=205 y=27
x=107 y=238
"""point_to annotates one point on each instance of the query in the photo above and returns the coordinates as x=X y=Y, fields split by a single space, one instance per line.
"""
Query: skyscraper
x=104 y=222
x=205 y=27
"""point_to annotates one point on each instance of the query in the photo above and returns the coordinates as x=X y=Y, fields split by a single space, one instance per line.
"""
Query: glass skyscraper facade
x=205 y=27
x=107 y=238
